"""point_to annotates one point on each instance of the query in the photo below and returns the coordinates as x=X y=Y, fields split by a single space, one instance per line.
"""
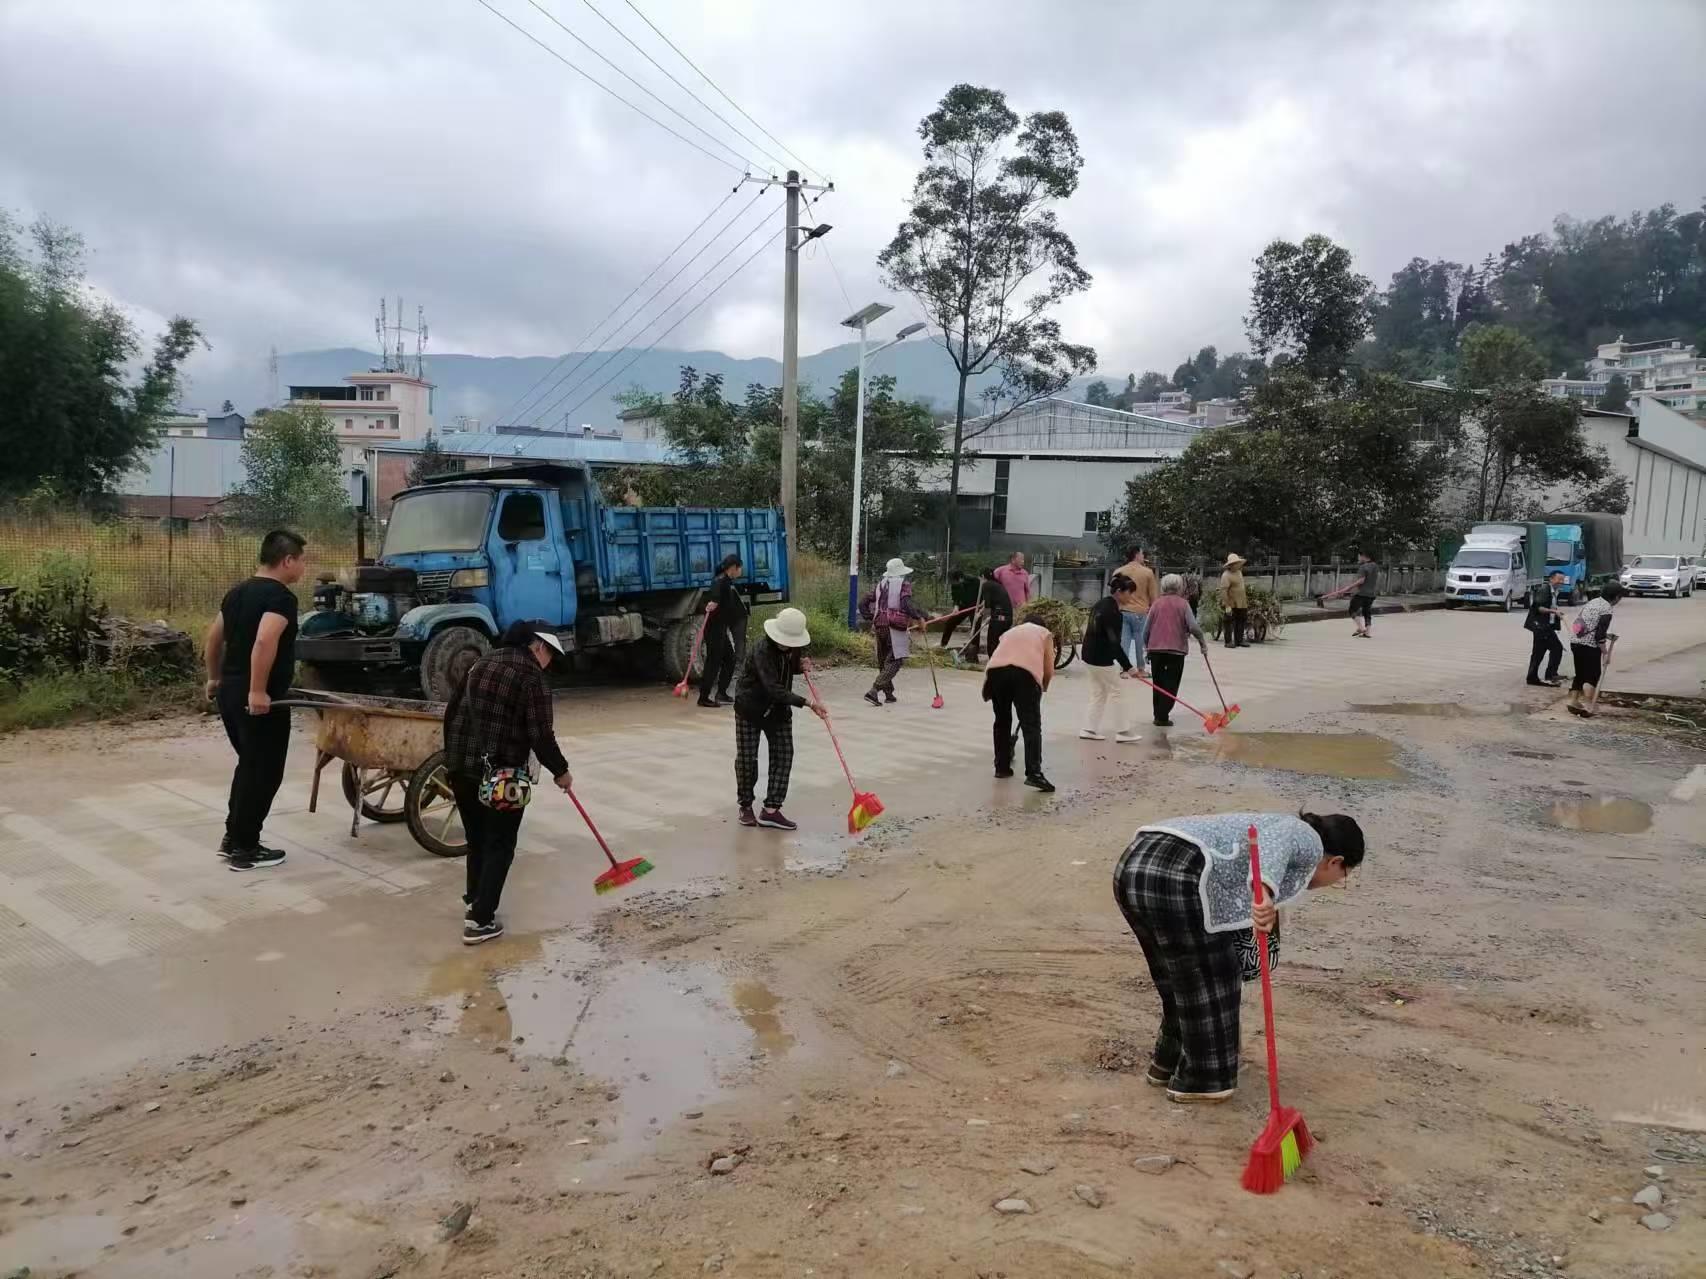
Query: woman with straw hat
x=894 y=615
x=764 y=704
x=1235 y=599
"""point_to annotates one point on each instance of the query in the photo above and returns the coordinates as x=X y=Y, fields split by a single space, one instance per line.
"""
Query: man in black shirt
x=725 y=634
x=251 y=659
x=1543 y=622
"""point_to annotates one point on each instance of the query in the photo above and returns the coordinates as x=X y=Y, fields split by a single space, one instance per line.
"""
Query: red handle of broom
x=1267 y=982
x=692 y=657
x=805 y=670
x=586 y=817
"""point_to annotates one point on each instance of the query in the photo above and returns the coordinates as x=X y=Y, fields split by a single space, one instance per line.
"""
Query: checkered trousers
x=1197 y=973
x=778 y=731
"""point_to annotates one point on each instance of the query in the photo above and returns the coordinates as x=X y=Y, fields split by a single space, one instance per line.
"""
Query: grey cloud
x=272 y=168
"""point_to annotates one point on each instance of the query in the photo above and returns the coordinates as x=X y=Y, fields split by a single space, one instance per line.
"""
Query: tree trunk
x=954 y=463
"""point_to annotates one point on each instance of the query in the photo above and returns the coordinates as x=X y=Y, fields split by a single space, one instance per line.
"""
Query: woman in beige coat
x=1235 y=600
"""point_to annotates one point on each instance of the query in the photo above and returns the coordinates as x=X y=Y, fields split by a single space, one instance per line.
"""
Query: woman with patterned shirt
x=1184 y=889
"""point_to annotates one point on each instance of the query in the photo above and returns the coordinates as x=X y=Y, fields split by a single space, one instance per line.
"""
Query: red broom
x=1213 y=721
x=936 y=702
x=1282 y=1146
x=1228 y=713
x=866 y=806
x=620 y=874
x=692 y=658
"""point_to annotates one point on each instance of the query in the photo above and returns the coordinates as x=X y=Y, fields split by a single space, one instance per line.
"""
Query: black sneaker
x=873 y=699
x=1036 y=781
x=474 y=933
x=225 y=849
x=890 y=698
x=1004 y=773
x=256 y=858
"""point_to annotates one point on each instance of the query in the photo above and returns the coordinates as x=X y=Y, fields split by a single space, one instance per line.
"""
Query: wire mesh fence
x=150 y=569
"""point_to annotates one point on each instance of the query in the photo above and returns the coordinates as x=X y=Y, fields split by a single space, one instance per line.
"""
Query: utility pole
x=791 y=368
x=794 y=238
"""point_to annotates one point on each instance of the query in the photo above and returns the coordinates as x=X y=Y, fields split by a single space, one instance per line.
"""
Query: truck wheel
x=430 y=808
x=678 y=649
x=382 y=792
x=448 y=656
x=1505 y=606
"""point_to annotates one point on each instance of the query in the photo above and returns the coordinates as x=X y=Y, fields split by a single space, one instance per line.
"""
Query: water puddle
x=1358 y=756
x=1601 y=815
x=666 y=1038
x=1433 y=710
x=817 y=855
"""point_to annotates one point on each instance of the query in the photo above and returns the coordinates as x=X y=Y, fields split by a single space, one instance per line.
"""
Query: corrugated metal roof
x=553 y=448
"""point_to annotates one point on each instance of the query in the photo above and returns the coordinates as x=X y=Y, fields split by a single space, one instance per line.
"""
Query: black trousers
x=1235 y=626
x=1547 y=645
x=721 y=658
x=491 y=846
x=1589 y=663
x=1166 y=670
x=1010 y=689
x=262 y=742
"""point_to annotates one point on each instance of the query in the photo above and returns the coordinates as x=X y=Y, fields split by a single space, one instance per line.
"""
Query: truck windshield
x=1654 y=561
x=449 y=520
x=1560 y=552
x=1482 y=559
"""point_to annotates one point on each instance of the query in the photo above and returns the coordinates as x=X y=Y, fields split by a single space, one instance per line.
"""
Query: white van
x=1490 y=568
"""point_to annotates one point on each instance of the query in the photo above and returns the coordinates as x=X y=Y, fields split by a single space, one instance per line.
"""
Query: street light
x=861 y=320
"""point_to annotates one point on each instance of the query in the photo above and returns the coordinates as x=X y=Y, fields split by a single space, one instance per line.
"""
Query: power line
x=672 y=328
x=707 y=79
x=528 y=395
x=624 y=101
x=558 y=23
x=648 y=57
x=539 y=414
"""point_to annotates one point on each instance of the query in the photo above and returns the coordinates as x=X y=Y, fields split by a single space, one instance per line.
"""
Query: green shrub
x=48 y=623
x=70 y=697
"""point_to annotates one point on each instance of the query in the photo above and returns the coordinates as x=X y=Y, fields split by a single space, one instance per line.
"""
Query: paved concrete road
x=122 y=936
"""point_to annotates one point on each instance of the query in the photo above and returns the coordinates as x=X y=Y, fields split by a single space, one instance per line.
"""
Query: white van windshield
x=1482 y=559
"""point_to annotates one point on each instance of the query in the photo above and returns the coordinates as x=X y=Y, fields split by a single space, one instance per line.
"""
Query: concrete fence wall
x=1085 y=583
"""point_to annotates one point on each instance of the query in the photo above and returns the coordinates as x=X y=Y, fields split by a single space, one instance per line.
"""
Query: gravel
x=1648 y=1197
x=1656 y=1221
x=1013 y=1207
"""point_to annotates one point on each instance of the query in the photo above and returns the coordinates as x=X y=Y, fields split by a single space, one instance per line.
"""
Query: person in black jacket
x=1101 y=649
x=764 y=703
x=1543 y=620
x=962 y=589
x=994 y=615
x=725 y=634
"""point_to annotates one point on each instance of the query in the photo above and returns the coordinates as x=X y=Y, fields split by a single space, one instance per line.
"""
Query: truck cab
x=465 y=555
x=1567 y=553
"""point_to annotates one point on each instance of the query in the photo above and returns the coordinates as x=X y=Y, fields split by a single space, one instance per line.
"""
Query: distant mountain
x=486 y=387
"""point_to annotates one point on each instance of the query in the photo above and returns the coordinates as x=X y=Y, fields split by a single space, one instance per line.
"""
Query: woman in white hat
x=894 y=614
x=764 y=703
x=1235 y=599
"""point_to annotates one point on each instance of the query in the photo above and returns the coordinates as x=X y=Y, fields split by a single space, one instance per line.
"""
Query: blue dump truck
x=1586 y=547
x=464 y=555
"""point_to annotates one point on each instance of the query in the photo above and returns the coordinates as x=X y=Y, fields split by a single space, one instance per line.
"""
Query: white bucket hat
x=896 y=568
x=788 y=628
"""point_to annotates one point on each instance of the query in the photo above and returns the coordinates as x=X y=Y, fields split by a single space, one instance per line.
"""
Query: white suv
x=1658 y=575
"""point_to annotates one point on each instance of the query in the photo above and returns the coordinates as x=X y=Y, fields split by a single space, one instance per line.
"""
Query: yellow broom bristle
x=1290 y=1159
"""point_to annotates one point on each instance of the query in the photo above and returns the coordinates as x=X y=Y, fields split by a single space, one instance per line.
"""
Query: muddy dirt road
x=814 y=1056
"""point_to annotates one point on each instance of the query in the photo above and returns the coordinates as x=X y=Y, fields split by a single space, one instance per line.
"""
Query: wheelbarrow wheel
x=431 y=810
x=384 y=792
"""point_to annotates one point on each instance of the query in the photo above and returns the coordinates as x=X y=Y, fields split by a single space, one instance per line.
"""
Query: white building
x=375 y=407
x=1669 y=370
x=194 y=424
x=1663 y=455
x=1054 y=473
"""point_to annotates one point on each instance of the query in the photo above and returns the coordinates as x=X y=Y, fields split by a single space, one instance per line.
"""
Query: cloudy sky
x=271 y=167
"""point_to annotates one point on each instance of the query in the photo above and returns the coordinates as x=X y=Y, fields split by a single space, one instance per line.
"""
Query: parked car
x=1698 y=564
x=1658 y=575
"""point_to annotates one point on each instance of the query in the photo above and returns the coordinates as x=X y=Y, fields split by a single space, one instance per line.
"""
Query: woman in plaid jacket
x=1184 y=889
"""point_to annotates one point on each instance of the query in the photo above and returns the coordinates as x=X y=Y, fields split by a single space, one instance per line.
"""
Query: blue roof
x=538 y=448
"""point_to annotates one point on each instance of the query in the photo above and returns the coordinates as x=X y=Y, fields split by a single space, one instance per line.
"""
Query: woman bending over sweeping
x=1184 y=889
x=894 y=615
x=1014 y=682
